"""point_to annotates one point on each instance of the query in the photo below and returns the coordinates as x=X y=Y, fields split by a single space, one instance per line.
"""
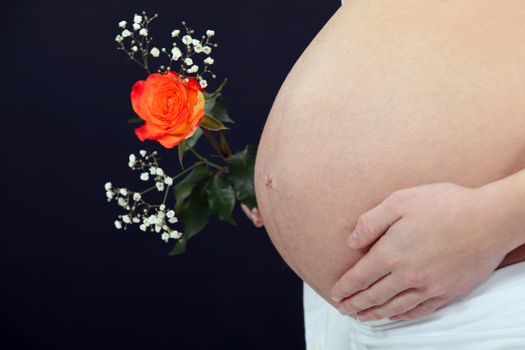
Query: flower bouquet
x=176 y=111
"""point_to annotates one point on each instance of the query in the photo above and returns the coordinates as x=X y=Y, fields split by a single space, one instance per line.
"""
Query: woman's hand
x=433 y=243
x=253 y=215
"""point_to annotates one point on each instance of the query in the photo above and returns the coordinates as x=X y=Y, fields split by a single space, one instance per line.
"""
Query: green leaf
x=134 y=120
x=184 y=188
x=217 y=108
x=241 y=167
x=217 y=91
x=211 y=123
x=188 y=143
x=181 y=147
x=221 y=198
x=180 y=246
x=195 y=213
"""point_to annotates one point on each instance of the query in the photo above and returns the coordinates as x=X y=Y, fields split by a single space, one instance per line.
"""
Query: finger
x=375 y=222
x=378 y=294
x=257 y=218
x=362 y=275
x=423 y=309
x=399 y=304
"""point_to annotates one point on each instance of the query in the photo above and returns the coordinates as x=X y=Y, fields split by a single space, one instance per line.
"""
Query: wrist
x=503 y=203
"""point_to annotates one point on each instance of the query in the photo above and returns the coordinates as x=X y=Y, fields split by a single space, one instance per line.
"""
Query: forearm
x=504 y=200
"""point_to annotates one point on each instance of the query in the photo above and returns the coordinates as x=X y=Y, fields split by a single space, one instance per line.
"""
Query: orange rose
x=171 y=108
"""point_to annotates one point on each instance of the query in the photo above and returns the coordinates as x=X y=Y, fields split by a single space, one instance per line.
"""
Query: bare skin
x=389 y=95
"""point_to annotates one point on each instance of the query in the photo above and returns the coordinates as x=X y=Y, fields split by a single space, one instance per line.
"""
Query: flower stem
x=214 y=143
x=205 y=160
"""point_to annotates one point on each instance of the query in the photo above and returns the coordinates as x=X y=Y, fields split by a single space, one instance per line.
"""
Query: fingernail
x=343 y=310
x=364 y=318
x=353 y=239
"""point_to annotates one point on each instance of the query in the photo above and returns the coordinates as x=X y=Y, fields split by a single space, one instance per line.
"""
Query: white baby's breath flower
x=123 y=191
x=206 y=50
x=109 y=195
x=168 y=181
x=144 y=176
x=175 y=33
x=170 y=214
x=175 y=234
x=119 y=38
x=188 y=61
x=136 y=26
x=142 y=153
x=137 y=19
x=197 y=49
x=136 y=196
x=176 y=53
x=155 y=52
x=193 y=69
x=134 y=49
x=126 y=219
x=209 y=60
x=165 y=236
x=186 y=39
x=203 y=83
x=125 y=33
x=122 y=24
x=195 y=42
x=159 y=185
x=135 y=220
x=108 y=186
x=143 y=32
x=173 y=220
x=142 y=227
x=122 y=202
x=152 y=170
x=162 y=207
x=160 y=172
x=118 y=224
x=210 y=33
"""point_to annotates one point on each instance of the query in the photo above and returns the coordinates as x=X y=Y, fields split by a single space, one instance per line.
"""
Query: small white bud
x=122 y=24
x=210 y=33
x=134 y=49
x=155 y=52
x=175 y=33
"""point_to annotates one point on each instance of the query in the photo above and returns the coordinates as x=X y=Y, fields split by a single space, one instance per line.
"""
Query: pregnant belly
x=388 y=95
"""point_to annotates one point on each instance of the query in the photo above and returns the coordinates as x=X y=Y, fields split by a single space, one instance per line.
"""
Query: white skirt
x=490 y=317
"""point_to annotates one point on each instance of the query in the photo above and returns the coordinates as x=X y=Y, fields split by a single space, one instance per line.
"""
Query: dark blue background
x=69 y=280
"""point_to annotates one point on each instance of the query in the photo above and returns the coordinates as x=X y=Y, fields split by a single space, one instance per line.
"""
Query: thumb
x=374 y=223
